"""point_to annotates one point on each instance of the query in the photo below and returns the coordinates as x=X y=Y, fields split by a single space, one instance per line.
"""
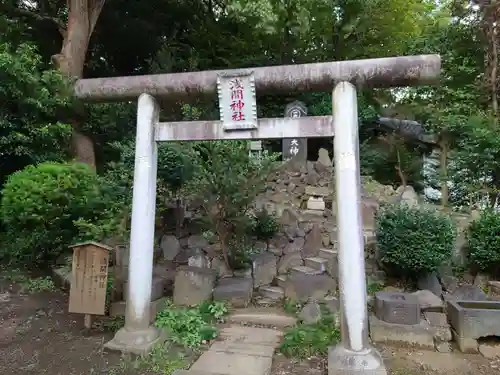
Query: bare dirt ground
x=38 y=336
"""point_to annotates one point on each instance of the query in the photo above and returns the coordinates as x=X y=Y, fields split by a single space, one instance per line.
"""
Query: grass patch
x=164 y=359
x=305 y=340
x=191 y=326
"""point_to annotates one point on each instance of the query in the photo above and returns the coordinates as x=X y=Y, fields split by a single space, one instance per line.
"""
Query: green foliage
x=305 y=340
x=40 y=205
x=483 y=238
x=228 y=180
x=191 y=326
x=31 y=105
x=413 y=240
x=264 y=225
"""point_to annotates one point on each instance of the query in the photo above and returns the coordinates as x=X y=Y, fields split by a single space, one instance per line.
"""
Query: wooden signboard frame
x=89 y=279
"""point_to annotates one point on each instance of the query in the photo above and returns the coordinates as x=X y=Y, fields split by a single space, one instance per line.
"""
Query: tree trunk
x=82 y=17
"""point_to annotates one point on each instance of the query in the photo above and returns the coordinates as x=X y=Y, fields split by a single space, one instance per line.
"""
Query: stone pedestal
x=342 y=361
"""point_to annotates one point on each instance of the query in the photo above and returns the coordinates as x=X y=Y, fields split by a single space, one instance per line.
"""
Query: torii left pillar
x=138 y=335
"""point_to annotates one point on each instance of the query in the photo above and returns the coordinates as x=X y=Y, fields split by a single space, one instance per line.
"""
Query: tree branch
x=21 y=12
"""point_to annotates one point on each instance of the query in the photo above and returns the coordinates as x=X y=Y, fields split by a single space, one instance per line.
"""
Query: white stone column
x=353 y=355
x=138 y=336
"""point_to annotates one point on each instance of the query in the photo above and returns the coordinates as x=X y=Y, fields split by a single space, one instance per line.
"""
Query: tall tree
x=75 y=21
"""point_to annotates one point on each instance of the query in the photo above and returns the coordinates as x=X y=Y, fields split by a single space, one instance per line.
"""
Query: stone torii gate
x=354 y=354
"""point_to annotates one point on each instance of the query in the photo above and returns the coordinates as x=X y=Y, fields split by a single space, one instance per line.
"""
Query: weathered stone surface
x=409 y=196
x=440 y=323
x=265 y=316
x=264 y=269
x=289 y=261
x=236 y=291
x=490 y=350
x=324 y=157
x=332 y=304
x=317 y=263
x=429 y=301
x=296 y=246
x=465 y=344
x=443 y=346
x=468 y=293
x=315 y=204
x=170 y=246
x=289 y=216
x=420 y=335
x=274 y=293
x=303 y=270
x=474 y=319
x=220 y=267
x=193 y=285
x=449 y=283
x=158 y=286
x=310 y=313
x=197 y=242
x=430 y=282
x=118 y=308
x=397 y=308
x=199 y=260
x=318 y=191
x=305 y=288
x=313 y=242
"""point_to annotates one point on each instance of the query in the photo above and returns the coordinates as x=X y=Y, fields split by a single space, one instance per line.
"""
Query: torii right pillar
x=354 y=355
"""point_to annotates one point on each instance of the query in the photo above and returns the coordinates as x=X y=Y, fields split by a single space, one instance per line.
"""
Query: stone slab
x=236 y=291
x=429 y=301
x=303 y=287
x=241 y=351
x=419 y=335
x=264 y=269
x=397 y=308
x=216 y=362
x=251 y=335
x=265 y=316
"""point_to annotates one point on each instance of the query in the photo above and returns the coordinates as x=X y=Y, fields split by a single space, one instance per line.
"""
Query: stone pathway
x=240 y=351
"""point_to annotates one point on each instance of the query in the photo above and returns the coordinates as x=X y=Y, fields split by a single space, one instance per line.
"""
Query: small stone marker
x=397 y=308
x=295 y=148
x=89 y=280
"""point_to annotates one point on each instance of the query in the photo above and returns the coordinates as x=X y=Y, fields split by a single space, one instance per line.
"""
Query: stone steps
x=304 y=270
x=275 y=293
x=317 y=263
x=328 y=254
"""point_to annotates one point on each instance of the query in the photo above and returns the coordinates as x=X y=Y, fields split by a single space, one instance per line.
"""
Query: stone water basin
x=474 y=319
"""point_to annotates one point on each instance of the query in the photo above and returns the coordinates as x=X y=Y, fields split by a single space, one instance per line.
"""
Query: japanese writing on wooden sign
x=237 y=101
x=89 y=278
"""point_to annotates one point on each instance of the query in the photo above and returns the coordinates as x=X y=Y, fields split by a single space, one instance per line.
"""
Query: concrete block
x=465 y=344
x=397 y=308
x=236 y=291
x=420 y=335
x=474 y=319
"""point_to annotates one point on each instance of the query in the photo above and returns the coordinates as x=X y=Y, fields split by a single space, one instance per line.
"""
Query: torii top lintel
x=382 y=72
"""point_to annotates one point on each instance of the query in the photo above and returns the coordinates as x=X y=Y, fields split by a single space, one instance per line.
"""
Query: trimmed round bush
x=483 y=239
x=413 y=240
x=39 y=206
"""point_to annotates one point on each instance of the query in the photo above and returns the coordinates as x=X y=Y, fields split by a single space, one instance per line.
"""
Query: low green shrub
x=483 y=239
x=413 y=240
x=264 y=225
x=39 y=206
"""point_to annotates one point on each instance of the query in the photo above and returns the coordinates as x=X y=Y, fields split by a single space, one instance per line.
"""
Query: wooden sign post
x=89 y=279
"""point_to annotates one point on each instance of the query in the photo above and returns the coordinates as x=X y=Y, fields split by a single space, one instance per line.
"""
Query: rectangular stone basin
x=474 y=319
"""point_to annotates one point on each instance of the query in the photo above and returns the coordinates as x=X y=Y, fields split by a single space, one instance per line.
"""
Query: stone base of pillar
x=342 y=361
x=136 y=342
